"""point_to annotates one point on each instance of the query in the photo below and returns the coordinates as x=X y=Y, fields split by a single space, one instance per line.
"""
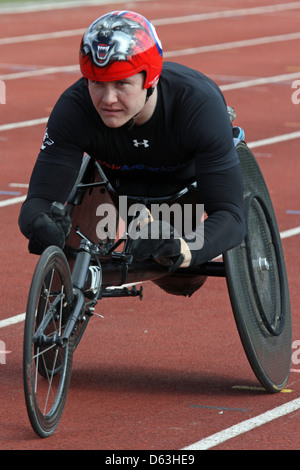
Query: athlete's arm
x=222 y=196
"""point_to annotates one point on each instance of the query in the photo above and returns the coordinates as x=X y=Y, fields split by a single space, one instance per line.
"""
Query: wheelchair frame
x=60 y=304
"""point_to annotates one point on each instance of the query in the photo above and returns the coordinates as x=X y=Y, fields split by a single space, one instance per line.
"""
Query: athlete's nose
x=109 y=95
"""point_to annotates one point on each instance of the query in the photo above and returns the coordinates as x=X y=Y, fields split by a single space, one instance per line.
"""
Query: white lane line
x=12 y=320
x=42 y=36
x=228 y=13
x=287 y=77
x=292 y=232
x=31 y=7
x=18 y=125
x=233 y=45
x=245 y=426
x=178 y=53
x=161 y=21
x=271 y=140
x=13 y=200
x=39 y=72
x=232 y=86
x=18 y=185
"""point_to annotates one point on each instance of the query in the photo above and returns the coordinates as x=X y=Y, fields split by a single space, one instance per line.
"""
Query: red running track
x=166 y=372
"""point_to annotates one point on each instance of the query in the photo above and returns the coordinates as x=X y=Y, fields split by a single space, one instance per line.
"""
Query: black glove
x=50 y=229
x=157 y=241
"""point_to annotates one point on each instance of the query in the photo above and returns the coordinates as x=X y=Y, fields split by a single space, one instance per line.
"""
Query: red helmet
x=118 y=45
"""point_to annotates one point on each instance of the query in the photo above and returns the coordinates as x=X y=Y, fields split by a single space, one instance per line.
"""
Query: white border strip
x=245 y=426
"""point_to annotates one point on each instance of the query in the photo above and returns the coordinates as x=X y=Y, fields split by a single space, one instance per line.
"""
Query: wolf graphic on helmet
x=115 y=38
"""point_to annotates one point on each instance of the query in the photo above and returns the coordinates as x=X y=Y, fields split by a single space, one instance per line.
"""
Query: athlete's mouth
x=111 y=111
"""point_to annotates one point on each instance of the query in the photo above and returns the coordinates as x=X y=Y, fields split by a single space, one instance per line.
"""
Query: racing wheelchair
x=67 y=285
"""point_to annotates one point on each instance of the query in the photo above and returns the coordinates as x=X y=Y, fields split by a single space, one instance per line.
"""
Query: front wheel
x=47 y=365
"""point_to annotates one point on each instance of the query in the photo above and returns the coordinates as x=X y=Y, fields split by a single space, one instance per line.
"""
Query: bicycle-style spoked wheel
x=47 y=365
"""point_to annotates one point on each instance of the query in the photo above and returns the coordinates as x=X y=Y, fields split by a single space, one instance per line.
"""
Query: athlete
x=152 y=126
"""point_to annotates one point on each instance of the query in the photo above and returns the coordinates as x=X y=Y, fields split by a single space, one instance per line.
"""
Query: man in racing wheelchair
x=153 y=127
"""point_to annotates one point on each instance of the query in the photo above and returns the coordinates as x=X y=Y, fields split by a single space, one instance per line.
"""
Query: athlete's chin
x=114 y=120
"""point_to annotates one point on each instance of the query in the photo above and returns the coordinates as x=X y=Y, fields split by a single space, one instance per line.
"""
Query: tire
x=47 y=367
x=258 y=285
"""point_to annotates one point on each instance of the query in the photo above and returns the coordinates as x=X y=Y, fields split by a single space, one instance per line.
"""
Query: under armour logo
x=144 y=143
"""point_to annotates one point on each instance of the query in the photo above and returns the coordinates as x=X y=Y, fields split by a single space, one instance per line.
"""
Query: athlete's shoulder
x=187 y=86
x=179 y=73
x=77 y=91
x=180 y=77
x=174 y=68
x=74 y=102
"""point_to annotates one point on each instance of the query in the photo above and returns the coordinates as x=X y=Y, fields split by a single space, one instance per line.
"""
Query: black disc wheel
x=47 y=365
x=257 y=283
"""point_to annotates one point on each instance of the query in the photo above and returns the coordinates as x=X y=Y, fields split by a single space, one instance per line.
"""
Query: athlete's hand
x=173 y=251
x=157 y=241
x=50 y=229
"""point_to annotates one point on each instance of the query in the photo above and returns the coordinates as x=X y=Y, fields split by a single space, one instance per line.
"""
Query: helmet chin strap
x=149 y=93
x=131 y=122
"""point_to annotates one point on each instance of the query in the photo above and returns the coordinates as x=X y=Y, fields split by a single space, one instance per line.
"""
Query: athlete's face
x=119 y=101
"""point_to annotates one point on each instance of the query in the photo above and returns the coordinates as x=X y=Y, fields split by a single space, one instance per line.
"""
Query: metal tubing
x=81 y=269
x=63 y=340
x=113 y=273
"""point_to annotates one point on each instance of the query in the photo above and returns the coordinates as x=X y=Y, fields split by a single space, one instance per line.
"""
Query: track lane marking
x=18 y=125
x=233 y=45
x=162 y=21
x=287 y=77
x=12 y=320
x=33 y=7
x=231 y=86
x=13 y=200
x=245 y=426
x=40 y=72
x=273 y=140
x=170 y=54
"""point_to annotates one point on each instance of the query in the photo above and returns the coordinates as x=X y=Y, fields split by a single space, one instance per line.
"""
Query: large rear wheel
x=257 y=283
